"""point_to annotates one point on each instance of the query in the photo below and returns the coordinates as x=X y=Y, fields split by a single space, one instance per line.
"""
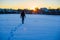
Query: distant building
x=44 y=9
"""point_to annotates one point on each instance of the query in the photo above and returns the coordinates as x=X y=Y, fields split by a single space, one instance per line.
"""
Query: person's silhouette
x=22 y=16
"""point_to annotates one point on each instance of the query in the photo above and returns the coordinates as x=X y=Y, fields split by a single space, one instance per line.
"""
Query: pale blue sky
x=29 y=3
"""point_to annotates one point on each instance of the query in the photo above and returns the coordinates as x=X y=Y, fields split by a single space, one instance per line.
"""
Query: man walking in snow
x=23 y=16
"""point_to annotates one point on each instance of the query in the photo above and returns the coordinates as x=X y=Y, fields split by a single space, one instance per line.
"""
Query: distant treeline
x=36 y=11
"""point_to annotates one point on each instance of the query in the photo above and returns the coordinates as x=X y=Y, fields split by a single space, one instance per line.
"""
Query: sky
x=29 y=4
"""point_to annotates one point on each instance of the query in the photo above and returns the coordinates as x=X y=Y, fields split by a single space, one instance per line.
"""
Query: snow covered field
x=36 y=27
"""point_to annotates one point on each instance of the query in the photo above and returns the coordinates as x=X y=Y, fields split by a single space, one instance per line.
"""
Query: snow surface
x=36 y=27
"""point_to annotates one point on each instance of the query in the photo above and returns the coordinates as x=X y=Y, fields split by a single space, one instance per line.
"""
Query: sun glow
x=32 y=8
